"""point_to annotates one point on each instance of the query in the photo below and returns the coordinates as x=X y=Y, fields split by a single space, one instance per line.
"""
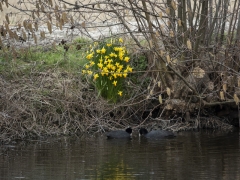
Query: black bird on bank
x=155 y=134
x=120 y=134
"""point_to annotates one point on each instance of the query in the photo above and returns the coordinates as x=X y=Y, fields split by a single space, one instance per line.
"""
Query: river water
x=191 y=155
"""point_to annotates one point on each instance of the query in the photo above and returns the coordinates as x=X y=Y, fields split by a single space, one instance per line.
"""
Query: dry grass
x=52 y=103
x=55 y=103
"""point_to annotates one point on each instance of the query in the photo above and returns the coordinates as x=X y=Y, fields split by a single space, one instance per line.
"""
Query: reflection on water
x=191 y=155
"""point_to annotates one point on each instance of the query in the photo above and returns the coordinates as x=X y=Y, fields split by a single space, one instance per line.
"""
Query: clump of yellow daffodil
x=108 y=66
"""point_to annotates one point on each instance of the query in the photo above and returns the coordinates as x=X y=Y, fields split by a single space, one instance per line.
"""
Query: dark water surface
x=191 y=155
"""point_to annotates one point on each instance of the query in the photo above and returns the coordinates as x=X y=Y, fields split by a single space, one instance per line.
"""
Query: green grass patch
x=26 y=60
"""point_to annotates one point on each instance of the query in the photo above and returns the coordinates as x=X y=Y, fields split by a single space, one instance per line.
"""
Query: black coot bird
x=155 y=134
x=119 y=134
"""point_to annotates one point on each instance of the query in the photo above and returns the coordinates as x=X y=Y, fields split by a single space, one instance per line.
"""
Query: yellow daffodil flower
x=120 y=49
x=112 y=54
x=120 y=40
x=110 y=60
x=92 y=63
x=89 y=72
x=100 y=65
x=116 y=48
x=124 y=75
x=105 y=69
x=95 y=76
x=126 y=59
x=129 y=69
x=115 y=83
x=89 y=56
x=109 y=66
x=114 y=75
x=113 y=67
x=120 y=93
x=105 y=62
x=120 y=55
x=120 y=67
x=103 y=50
